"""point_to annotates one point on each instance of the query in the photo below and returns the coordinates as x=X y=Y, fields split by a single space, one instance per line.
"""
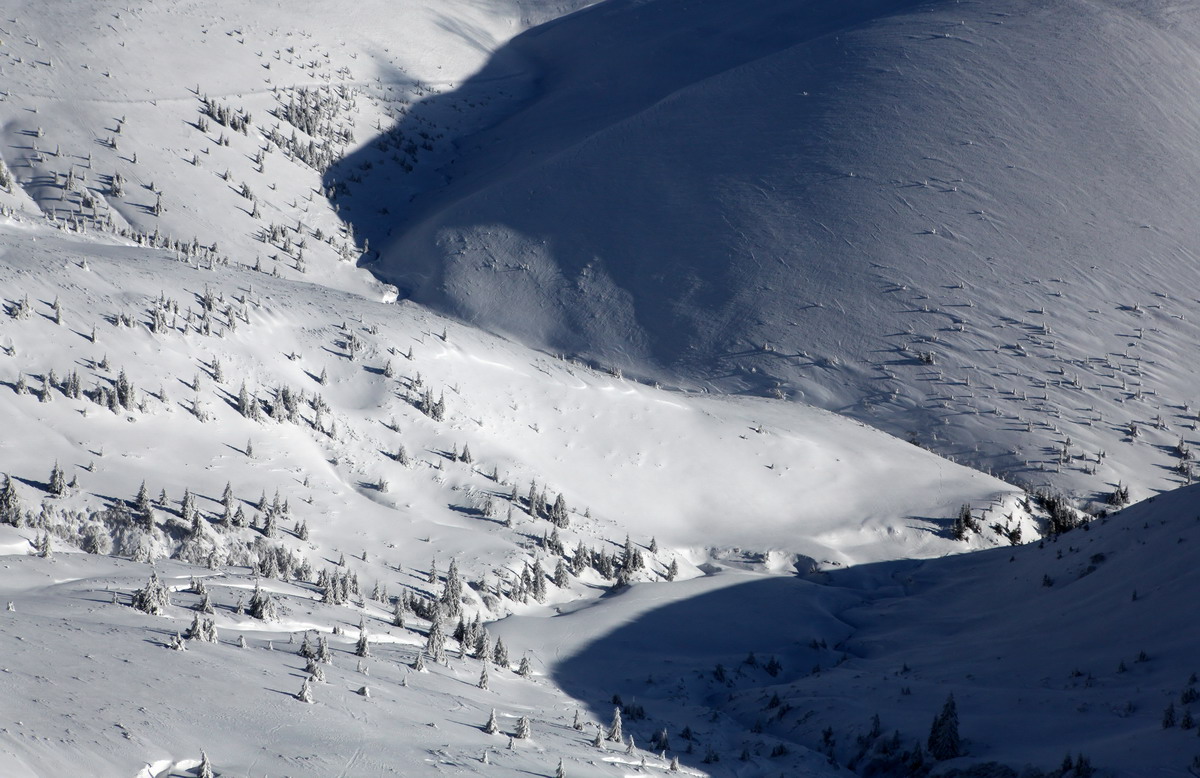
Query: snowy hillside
x=331 y=448
x=188 y=123
x=258 y=515
x=959 y=221
x=1081 y=647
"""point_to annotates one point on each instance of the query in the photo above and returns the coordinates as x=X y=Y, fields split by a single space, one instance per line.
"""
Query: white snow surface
x=755 y=484
x=652 y=194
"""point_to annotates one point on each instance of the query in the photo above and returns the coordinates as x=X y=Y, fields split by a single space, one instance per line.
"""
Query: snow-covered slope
x=317 y=491
x=961 y=221
x=205 y=123
x=1076 y=647
x=694 y=470
x=1082 y=646
x=192 y=188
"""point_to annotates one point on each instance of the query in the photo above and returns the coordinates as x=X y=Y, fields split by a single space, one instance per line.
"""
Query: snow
x=1035 y=669
x=771 y=197
x=761 y=484
x=580 y=191
x=773 y=476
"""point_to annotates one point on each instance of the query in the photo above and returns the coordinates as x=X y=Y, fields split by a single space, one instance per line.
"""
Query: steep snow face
x=956 y=220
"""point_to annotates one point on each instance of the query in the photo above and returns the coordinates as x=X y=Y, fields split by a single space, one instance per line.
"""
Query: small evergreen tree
x=483 y=677
x=1168 y=717
x=58 y=482
x=452 y=591
x=363 y=648
x=323 y=655
x=205 y=770
x=435 y=643
x=305 y=694
x=615 y=733
x=152 y=598
x=525 y=669
x=558 y=512
x=492 y=726
x=524 y=730
x=142 y=507
x=500 y=653
x=944 y=742
x=10 y=503
x=962 y=522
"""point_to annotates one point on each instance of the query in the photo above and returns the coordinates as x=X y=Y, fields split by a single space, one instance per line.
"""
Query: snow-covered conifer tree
x=262 y=605
x=205 y=770
x=43 y=546
x=363 y=648
x=10 y=503
x=500 y=653
x=943 y=741
x=152 y=598
x=323 y=655
x=58 y=482
x=435 y=644
x=615 y=730
x=558 y=512
x=452 y=591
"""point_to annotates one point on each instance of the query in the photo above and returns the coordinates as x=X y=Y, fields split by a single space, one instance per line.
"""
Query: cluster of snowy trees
x=315 y=111
x=236 y=120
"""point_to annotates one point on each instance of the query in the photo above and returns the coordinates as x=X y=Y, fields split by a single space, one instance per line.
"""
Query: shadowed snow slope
x=963 y=214
x=1090 y=638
